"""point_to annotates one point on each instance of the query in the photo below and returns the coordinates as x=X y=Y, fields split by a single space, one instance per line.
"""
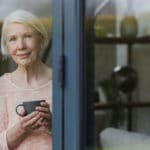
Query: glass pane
x=25 y=75
x=117 y=47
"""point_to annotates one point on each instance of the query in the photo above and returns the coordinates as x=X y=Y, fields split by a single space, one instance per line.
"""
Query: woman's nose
x=20 y=44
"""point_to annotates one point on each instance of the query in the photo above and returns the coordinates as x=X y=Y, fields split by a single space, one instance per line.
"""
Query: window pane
x=117 y=45
x=25 y=75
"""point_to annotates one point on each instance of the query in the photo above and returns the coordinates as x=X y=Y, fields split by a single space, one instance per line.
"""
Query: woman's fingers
x=46 y=115
x=44 y=104
x=33 y=120
x=30 y=116
x=30 y=121
x=38 y=123
x=37 y=119
x=43 y=108
x=44 y=118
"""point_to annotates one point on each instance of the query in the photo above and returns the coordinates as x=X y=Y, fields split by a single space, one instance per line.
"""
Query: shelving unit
x=98 y=106
x=129 y=41
x=123 y=40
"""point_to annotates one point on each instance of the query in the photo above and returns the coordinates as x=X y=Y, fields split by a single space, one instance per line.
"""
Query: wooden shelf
x=123 y=40
x=129 y=41
x=98 y=106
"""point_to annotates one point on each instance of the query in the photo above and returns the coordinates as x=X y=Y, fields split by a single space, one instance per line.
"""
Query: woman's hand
x=45 y=113
x=31 y=121
x=23 y=128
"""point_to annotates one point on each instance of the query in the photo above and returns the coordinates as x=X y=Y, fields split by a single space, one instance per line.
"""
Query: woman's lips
x=24 y=56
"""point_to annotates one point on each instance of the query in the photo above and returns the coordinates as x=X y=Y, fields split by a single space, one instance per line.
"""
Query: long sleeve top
x=10 y=96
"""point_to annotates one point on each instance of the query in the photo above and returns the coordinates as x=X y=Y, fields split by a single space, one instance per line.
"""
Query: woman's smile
x=24 y=55
x=23 y=43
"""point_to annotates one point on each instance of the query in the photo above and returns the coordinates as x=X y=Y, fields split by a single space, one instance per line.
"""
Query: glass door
x=116 y=44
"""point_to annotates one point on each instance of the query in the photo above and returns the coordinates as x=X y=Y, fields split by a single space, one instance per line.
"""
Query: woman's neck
x=31 y=76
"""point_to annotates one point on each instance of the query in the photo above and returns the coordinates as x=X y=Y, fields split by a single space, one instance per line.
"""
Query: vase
x=129 y=26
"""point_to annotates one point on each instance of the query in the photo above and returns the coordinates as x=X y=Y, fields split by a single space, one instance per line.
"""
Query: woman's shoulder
x=3 y=77
x=4 y=82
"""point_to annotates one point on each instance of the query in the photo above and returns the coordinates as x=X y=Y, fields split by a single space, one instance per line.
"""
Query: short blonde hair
x=26 y=18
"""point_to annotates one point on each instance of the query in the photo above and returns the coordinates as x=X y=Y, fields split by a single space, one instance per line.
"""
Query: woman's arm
x=16 y=134
x=3 y=123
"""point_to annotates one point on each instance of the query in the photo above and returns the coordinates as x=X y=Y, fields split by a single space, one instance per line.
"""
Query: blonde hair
x=25 y=18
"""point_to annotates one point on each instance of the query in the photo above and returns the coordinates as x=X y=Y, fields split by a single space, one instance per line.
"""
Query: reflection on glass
x=117 y=34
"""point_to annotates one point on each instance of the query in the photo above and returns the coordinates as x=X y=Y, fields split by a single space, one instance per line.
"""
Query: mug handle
x=17 y=109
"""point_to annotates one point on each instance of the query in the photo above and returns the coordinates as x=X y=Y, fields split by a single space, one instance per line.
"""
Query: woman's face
x=23 y=43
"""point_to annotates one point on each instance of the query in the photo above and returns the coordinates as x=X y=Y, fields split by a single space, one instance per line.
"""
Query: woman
x=23 y=38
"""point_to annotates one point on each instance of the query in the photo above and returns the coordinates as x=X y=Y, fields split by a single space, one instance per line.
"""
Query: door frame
x=69 y=105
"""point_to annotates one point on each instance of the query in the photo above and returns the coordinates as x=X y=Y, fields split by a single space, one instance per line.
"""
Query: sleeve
x=3 y=123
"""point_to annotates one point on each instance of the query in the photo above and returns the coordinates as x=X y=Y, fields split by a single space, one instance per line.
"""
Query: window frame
x=69 y=105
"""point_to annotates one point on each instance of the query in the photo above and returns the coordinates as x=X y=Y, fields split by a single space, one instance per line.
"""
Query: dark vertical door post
x=74 y=79
x=58 y=97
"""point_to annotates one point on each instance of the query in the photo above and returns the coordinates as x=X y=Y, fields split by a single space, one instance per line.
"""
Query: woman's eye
x=28 y=36
x=12 y=39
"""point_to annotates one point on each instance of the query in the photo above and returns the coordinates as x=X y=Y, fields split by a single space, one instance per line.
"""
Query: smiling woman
x=24 y=37
x=22 y=43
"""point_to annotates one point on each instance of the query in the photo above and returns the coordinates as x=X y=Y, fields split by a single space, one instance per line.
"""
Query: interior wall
x=40 y=8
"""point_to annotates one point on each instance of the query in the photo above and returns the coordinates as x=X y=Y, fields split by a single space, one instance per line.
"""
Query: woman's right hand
x=31 y=121
x=23 y=128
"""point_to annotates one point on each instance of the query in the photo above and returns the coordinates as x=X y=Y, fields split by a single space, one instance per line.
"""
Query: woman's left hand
x=45 y=113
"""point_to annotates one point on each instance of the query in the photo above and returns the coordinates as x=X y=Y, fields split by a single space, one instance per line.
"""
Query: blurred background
x=119 y=49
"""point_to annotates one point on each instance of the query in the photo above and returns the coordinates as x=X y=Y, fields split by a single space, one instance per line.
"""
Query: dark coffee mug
x=28 y=106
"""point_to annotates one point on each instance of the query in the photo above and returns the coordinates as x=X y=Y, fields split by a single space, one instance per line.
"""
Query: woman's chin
x=25 y=62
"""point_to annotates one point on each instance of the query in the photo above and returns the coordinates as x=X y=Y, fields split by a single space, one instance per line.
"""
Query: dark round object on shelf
x=125 y=78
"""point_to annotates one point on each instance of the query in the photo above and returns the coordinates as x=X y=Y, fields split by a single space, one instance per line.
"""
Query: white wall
x=39 y=7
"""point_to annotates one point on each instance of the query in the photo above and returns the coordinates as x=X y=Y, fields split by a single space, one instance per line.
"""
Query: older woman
x=23 y=38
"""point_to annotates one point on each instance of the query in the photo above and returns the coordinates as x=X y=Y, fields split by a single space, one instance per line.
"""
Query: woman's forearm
x=18 y=133
x=15 y=136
